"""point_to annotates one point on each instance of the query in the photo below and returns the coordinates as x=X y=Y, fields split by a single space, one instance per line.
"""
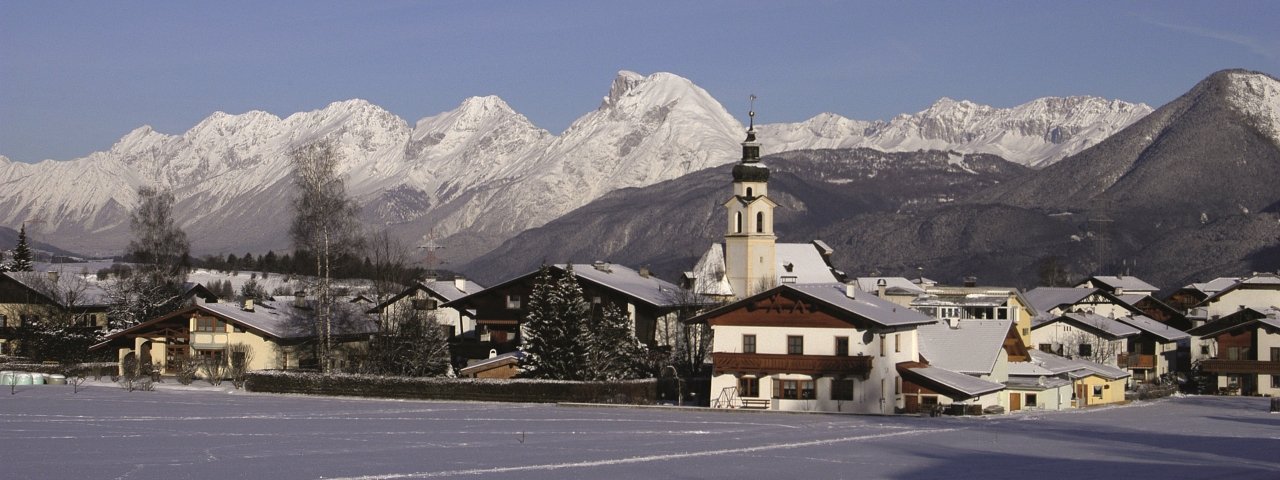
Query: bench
x=761 y=403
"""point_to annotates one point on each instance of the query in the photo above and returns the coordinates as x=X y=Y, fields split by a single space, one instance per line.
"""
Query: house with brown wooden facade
x=28 y=297
x=1243 y=351
x=818 y=347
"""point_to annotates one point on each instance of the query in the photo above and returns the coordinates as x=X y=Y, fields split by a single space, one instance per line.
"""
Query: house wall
x=1057 y=398
x=1230 y=302
x=872 y=395
x=1069 y=335
x=1112 y=391
x=444 y=316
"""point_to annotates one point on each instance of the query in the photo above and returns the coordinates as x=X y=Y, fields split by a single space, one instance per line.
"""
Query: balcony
x=813 y=365
x=1136 y=361
x=1240 y=366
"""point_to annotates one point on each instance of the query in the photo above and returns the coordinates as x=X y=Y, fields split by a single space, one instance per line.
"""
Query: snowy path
x=105 y=432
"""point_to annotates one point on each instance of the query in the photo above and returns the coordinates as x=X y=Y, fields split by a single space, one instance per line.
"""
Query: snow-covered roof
x=1149 y=325
x=1127 y=283
x=864 y=304
x=804 y=261
x=972 y=347
x=1214 y=286
x=967 y=385
x=797 y=263
x=1267 y=316
x=66 y=288
x=1265 y=280
x=708 y=274
x=1132 y=299
x=448 y=289
x=511 y=357
x=1028 y=369
x=1074 y=367
x=280 y=319
x=1107 y=326
x=647 y=288
x=1035 y=383
x=900 y=284
x=1043 y=299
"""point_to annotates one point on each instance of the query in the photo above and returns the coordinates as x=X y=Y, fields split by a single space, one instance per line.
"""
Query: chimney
x=881 y=286
x=644 y=272
x=248 y=305
x=848 y=290
x=53 y=276
x=492 y=353
x=460 y=284
x=970 y=281
x=299 y=298
x=602 y=266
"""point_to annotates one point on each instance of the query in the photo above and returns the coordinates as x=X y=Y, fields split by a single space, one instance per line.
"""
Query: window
x=748 y=344
x=1275 y=354
x=1237 y=353
x=1275 y=381
x=842 y=346
x=1031 y=400
x=749 y=192
x=1086 y=350
x=788 y=279
x=737 y=222
x=513 y=302
x=1046 y=347
x=798 y=390
x=749 y=387
x=882 y=345
x=210 y=324
x=759 y=222
x=238 y=358
x=4 y=321
x=425 y=304
x=215 y=355
x=795 y=345
x=897 y=342
x=841 y=389
x=897 y=385
x=929 y=400
x=1097 y=391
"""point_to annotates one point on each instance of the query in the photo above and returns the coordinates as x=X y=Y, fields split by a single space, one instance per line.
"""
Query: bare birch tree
x=324 y=224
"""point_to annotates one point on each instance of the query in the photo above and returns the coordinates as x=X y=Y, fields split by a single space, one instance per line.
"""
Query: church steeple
x=749 y=239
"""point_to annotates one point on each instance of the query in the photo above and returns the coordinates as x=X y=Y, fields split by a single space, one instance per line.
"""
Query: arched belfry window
x=749 y=192
x=759 y=222
x=737 y=222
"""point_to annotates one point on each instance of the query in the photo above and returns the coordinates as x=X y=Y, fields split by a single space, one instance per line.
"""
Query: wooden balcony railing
x=1137 y=361
x=1240 y=366
x=763 y=363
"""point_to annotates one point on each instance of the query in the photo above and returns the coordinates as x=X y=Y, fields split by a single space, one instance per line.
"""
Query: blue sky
x=76 y=76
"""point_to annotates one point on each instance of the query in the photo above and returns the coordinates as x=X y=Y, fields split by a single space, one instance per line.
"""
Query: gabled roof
x=273 y=319
x=446 y=290
x=1150 y=326
x=1044 y=299
x=1075 y=368
x=797 y=263
x=900 y=284
x=86 y=293
x=1126 y=282
x=509 y=358
x=971 y=348
x=1261 y=280
x=1213 y=286
x=1268 y=317
x=956 y=385
x=1105 y=327
x=646 y=289
x=862 y=306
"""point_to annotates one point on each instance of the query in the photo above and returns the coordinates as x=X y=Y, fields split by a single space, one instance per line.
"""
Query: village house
x=1054 y=301
x=898 y=290
x=1242 y=350
x=811 y=348
x=1119 y=284
x=1259 y=291
x=1090 y=383
x=980 y=348
x=1187 y=297
x=27 y=297
x=278 y=334
x=650 y=303
x=975 y=302
x=1083 y=335
x=429 y=296
x=1158 y=349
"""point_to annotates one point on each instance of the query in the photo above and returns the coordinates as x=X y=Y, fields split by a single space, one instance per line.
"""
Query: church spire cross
x=751 y=112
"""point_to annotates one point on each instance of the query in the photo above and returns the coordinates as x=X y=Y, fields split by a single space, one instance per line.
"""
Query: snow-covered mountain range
x=481 y=173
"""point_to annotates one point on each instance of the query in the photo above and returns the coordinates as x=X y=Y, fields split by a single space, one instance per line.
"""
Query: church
x=751 y=260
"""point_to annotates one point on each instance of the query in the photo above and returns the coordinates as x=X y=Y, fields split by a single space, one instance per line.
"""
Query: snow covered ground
x=189 y=432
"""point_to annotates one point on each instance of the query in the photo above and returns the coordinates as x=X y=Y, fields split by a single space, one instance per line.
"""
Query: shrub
x=638 y=392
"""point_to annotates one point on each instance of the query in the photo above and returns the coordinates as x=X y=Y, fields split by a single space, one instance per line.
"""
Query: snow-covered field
x=187 y=432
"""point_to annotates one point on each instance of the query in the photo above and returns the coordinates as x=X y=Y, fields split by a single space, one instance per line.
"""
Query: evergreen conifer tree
x=610 y=349
x=22 y=259
x=555 y=318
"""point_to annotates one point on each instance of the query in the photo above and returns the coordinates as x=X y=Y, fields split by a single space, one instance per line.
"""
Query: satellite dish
x=1041 y=381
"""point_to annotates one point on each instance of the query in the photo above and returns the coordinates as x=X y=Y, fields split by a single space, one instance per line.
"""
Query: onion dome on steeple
x=749 y=168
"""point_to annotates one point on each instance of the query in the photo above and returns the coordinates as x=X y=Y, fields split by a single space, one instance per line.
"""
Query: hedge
x=93 y=369
x=635 y=392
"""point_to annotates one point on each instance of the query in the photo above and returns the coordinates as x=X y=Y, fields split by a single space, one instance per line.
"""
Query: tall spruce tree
x=22 y=257
x=555 y=318
x=610 y=349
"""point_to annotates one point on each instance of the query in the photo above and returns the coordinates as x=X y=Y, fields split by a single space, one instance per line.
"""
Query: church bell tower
x=749 y=240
